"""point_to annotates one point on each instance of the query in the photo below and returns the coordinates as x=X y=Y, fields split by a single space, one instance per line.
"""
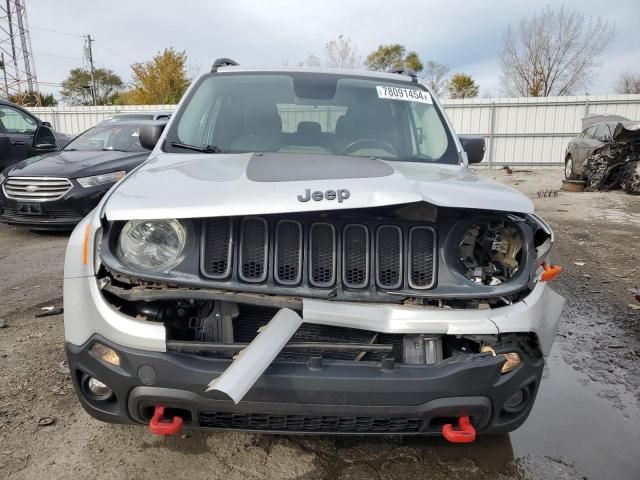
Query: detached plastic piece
x=466 y=434
x=161 y=426
x=550 y=272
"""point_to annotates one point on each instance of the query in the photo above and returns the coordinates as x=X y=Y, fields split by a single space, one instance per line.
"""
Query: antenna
x=16 y=55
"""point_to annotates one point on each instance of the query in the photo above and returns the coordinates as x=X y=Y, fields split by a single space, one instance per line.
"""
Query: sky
x=464 y=35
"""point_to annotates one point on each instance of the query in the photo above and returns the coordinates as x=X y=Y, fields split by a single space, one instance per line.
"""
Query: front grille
x=306 y=252
x=308 y=423
x=36 y=189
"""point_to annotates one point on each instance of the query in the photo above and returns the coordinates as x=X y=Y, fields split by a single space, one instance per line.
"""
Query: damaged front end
x=616 y=165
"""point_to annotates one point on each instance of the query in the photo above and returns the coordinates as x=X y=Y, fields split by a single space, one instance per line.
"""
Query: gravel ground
x=585 y=424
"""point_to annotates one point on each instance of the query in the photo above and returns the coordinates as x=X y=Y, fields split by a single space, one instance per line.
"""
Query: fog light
x=106 y=354
x=99 y=389
x=512 y=361
x=514 y=402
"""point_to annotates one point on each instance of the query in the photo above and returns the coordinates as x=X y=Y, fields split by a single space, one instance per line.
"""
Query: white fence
x=519 y=131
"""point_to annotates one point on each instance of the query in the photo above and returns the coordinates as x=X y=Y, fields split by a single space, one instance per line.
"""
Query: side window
x=590 y=132
x=603 y=134
x=15 y=121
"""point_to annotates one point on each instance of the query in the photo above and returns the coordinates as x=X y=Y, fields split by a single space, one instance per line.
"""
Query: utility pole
x=4 y=70
x=89 y=57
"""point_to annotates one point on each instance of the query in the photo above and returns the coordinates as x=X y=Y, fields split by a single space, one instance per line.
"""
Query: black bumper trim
x=473 y=386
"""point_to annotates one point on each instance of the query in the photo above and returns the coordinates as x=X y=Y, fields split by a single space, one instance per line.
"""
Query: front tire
x=568 y=169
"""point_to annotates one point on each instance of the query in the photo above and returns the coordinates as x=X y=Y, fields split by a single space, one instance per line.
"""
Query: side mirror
x=474 y=145
x=47 y=124
x=44 y=141
x=150 y=133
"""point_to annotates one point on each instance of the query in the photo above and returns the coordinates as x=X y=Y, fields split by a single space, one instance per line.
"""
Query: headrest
x=309 y=128
x=263 y=120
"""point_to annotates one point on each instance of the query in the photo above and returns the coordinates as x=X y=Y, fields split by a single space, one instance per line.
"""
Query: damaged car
x=307 y=251
x=616 y=165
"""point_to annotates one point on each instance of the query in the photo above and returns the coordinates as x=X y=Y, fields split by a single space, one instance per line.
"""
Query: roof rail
x=404 y=71
x=222 y=62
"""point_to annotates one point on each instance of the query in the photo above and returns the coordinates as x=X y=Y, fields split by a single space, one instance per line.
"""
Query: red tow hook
x=466 y=434
x=162 y=426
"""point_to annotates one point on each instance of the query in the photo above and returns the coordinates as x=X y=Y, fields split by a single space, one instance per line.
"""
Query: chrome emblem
x=31 y=188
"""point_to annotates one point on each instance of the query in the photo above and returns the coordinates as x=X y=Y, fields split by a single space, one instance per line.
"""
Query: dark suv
x=23 y=135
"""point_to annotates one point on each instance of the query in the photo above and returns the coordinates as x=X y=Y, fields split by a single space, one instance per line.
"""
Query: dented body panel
x=312 y=292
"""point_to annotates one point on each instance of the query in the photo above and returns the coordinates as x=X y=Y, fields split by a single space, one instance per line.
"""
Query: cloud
x=464 y=35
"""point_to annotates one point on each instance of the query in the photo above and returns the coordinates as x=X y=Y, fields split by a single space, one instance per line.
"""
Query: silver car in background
x=596 y=132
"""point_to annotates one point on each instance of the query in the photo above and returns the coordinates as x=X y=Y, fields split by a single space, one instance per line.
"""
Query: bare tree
x=553 y=53
x=341 y=53
x=435 y=74
x=629 y=82
x=312 y=61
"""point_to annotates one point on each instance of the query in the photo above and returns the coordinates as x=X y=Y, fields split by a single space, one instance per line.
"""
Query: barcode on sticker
x=406 y=94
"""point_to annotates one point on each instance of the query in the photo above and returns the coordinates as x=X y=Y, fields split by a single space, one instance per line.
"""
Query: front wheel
x=568 y=169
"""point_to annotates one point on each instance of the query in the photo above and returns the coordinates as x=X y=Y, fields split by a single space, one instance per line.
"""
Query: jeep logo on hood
x=341 y=194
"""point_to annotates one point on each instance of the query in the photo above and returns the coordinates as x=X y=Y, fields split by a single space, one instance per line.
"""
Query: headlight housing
x=151 y=245
x=2 y=178
x=96 y=180
x=490 y=251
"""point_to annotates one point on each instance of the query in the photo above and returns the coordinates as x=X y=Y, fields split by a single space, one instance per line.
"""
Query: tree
x=311 y=61
x=629 y=82
x=341 y=53
x=160 y=81
x=553 y=53
x=463 y=86
x=435 y=75
x=76 y=89
x=391 y=56
x=33 y=99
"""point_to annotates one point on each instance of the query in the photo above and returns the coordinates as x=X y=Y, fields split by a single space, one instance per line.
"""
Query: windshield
x=324 y=114
x=122 y=138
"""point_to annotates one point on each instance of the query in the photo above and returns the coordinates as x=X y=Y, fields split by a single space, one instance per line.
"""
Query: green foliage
x=393 y=55
x=76 y=89
x=160 y=81
x=33 y=99
x=463 y=86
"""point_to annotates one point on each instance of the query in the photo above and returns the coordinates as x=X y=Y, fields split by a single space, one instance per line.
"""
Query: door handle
x=17 y=143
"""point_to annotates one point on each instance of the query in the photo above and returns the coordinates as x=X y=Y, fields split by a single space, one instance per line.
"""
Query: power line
x=58 y=56
x=56 y=31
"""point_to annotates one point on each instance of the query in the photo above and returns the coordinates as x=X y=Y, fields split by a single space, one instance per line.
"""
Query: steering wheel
x=368 y=143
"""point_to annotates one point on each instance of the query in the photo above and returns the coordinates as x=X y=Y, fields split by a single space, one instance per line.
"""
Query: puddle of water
x=570 y=420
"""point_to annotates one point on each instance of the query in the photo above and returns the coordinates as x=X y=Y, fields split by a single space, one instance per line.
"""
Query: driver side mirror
x=47 y=124
x=475 y=146
x=151 y=132
x=44 y=141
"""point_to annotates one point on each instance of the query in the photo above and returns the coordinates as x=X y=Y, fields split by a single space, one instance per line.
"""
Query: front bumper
x=61 y=214
x=336 y=398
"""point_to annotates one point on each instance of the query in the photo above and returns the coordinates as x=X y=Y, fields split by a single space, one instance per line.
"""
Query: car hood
x=195 y=185
x=77 y=164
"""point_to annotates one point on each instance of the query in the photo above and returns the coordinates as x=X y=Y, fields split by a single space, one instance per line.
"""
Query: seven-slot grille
x=36 y=189
x=296 y=252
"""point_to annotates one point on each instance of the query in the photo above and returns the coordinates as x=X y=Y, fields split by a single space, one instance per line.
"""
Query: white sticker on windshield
x=406 y=94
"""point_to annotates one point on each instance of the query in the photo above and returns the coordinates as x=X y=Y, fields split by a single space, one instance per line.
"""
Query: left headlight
x=2 y=178
x=151 y=245
x=96 y=180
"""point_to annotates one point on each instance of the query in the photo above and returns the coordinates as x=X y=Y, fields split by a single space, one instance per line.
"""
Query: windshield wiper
x=198 y=148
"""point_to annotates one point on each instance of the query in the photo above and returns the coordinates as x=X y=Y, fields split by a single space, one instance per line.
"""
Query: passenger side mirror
x=474 y=145
x=150 y=133
x=47 y=124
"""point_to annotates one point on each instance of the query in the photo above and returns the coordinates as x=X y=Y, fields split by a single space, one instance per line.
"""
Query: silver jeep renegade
x=307 y=251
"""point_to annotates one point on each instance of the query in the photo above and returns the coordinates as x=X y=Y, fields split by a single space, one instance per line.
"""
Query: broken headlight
x=490 y=251
x=151 y=245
